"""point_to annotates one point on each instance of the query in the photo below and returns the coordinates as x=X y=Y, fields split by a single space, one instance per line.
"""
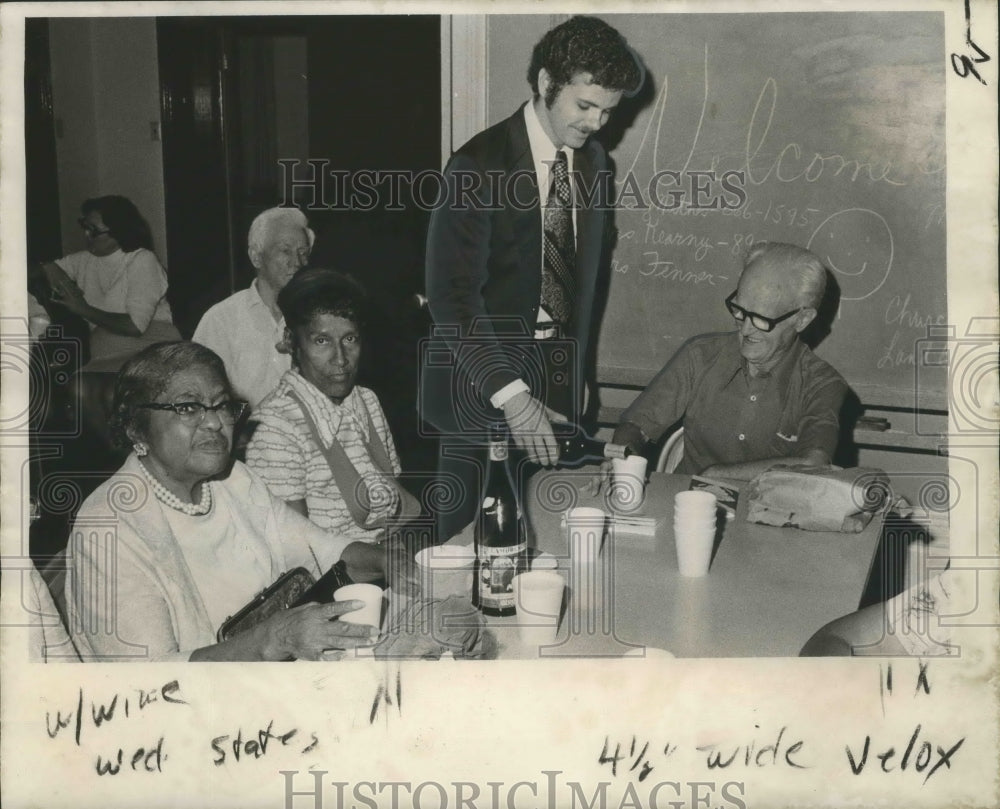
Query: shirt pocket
x=787 y=434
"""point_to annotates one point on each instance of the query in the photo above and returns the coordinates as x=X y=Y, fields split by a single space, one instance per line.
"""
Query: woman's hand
x=68 y=294
x=305 y=632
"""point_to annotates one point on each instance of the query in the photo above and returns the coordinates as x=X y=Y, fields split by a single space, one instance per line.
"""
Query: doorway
x=238 y=94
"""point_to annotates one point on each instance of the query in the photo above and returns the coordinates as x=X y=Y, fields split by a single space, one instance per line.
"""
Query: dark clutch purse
x=292 y=589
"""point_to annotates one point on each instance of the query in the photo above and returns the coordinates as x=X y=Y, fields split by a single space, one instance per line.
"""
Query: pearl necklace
x=168 y=498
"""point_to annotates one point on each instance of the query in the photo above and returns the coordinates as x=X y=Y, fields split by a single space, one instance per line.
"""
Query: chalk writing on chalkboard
x=835 y=124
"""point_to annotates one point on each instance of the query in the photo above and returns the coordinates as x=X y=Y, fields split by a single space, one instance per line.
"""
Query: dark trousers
x=461 y=473
x=462 y=460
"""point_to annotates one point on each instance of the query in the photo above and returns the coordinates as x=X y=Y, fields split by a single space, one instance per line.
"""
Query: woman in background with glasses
x=116 y=284
x=182 y=537
x=119 y=288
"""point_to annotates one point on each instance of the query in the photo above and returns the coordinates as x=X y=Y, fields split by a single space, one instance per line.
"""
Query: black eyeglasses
x=91 y=230
x=760 y=322
x=193 y=413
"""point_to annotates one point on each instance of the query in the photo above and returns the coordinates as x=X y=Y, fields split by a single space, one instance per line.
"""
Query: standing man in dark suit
x=513 y=259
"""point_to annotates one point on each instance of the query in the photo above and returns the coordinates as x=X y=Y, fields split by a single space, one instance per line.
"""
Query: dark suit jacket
x=484 y=258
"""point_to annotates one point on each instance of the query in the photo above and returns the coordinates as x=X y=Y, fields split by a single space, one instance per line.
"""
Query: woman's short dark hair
x=585 y=45
x=146 y=375
x=318 y=291
x=122 y=218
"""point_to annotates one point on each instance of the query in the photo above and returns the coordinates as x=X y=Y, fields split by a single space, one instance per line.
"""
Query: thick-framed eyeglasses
x=759 y=322
x=92 y=230
x=193 y=413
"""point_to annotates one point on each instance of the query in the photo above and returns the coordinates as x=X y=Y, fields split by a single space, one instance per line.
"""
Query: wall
x=511 y=40
x=291 y=95
x=105 y=87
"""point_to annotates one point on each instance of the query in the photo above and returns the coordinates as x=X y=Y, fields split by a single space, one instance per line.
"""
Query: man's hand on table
x=599 y=479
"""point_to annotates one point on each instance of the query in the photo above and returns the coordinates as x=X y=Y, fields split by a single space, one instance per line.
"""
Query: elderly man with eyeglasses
x=757 y=397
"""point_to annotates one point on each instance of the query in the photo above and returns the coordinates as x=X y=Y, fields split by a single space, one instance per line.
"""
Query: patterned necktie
x=558 y=285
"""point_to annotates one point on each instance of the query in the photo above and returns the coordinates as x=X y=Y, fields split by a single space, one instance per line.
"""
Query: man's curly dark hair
x=584 y=45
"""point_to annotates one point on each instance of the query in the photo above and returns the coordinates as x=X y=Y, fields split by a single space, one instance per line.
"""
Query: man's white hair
x=800 y=264
x=264 y=223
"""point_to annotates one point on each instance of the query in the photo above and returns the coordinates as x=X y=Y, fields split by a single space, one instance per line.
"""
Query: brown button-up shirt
x=732 y=417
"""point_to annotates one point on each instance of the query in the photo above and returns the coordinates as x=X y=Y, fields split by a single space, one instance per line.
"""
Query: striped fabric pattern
x=283 y=452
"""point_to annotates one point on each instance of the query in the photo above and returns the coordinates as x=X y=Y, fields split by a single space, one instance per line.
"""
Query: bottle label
x=497 y=568
x=498 y=450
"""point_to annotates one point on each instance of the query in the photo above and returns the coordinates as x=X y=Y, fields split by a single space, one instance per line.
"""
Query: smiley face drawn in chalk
x=857 y=245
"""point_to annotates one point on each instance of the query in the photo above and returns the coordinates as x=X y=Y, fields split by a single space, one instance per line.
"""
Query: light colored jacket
x=130 y=594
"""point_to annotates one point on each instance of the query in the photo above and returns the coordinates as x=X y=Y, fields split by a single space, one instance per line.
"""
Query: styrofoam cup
x=370 y=594
x=538 y=597
x=695 y=522
x=628 y=482
x=445 y=570
x=694 y=550
x=695 y=502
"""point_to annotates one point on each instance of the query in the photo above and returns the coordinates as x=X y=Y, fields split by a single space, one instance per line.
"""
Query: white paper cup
x=628 y=482
x=371 y=612
x=585 y=532
x=695 y=502
x=696 y=530
x=445 y=570
x=538 y=597
x=544 y=561
x=695 y=522
x=694 y=550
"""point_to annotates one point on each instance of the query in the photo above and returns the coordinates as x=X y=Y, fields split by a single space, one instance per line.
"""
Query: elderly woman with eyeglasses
x=116 y=284
x=756 y=397
x=181 y=537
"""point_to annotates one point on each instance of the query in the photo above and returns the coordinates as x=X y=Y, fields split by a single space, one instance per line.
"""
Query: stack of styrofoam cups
x=694 y=531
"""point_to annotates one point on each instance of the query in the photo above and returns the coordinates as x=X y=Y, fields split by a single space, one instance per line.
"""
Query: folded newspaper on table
x=727 y=494
x=824 y=498
x=634 y=524
x=626 y=523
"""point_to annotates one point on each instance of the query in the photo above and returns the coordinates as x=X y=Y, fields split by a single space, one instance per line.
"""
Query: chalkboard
x=837 y=121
